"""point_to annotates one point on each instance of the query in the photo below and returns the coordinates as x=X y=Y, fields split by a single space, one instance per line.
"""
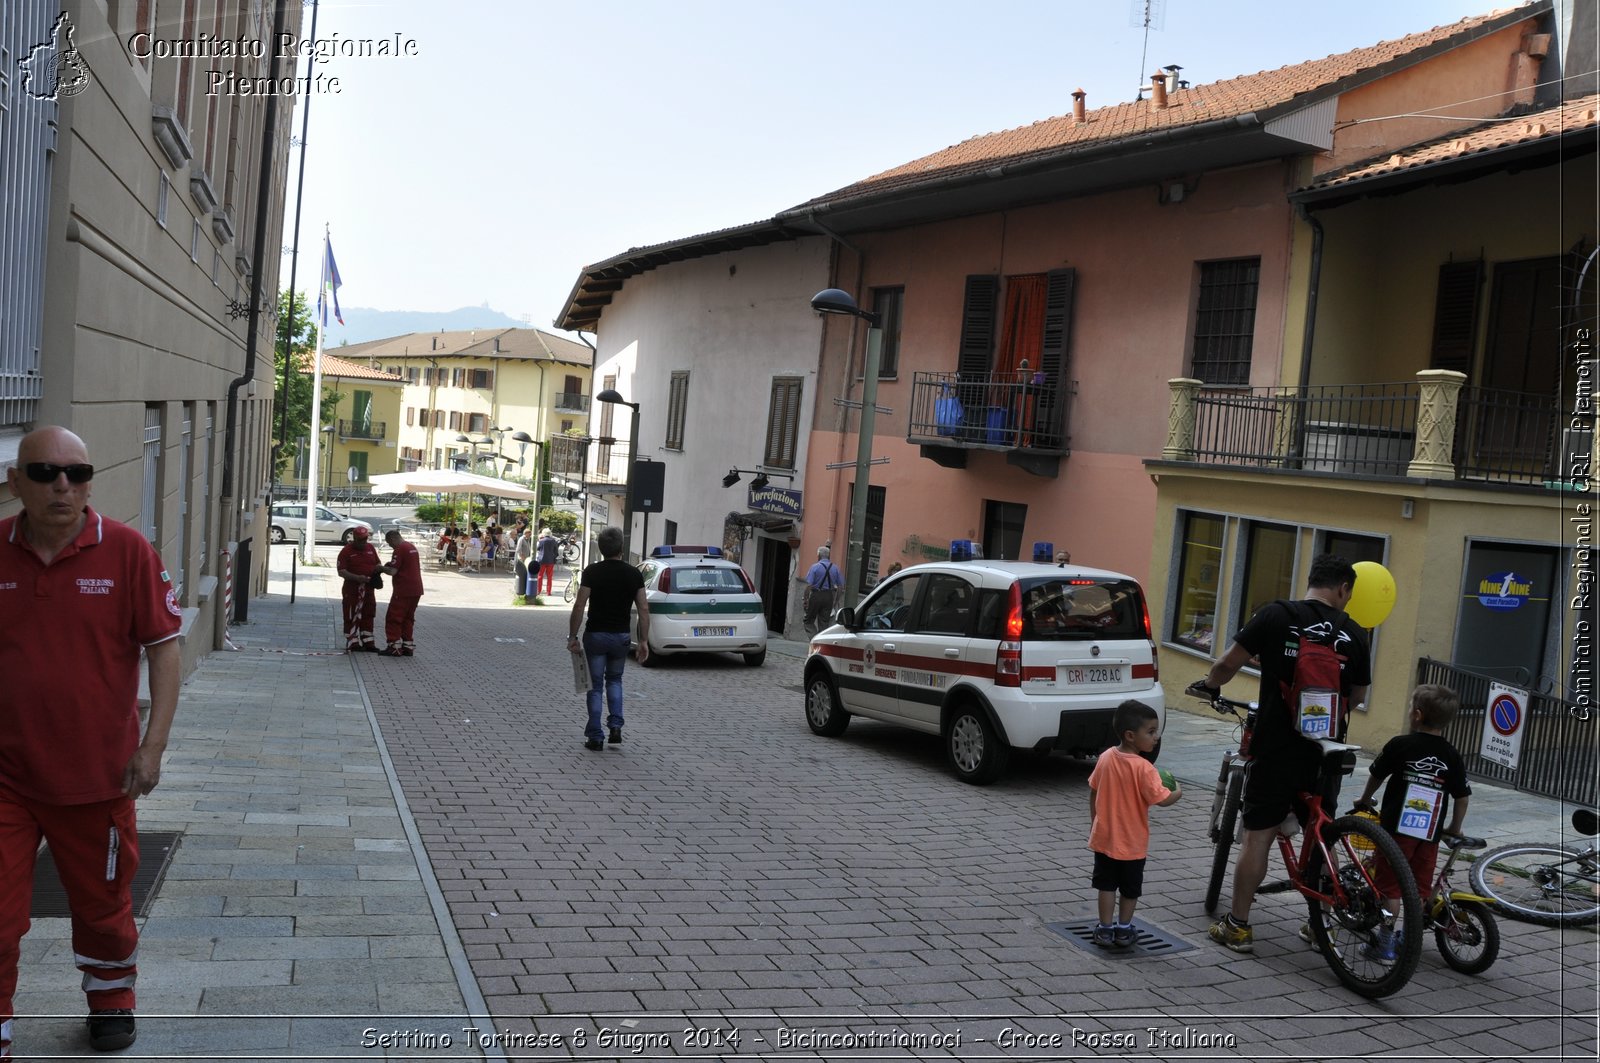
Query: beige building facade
x=142 y=216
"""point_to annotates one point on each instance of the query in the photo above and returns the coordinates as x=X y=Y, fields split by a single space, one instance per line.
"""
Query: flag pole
x=316 y=406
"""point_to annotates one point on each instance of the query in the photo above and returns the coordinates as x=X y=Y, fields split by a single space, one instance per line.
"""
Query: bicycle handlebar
x=1215 y=699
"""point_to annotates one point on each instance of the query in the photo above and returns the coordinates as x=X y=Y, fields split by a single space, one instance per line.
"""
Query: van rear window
x=710 y=581
x=1068 y=608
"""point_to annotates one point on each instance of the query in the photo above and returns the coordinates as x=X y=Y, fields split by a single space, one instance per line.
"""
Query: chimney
x=1158 y=91
x=1079 y=117
x=435 y=340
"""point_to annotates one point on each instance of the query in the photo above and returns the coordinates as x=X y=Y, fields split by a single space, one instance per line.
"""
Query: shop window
x=1268 y=566
x=1199 y=570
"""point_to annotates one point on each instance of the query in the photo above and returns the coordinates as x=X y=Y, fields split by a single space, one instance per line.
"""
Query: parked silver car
x=289 y=522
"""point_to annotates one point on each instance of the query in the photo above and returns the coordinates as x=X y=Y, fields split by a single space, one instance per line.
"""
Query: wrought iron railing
x=1559 y=756
x=1343 y=428
x=1012 y=411
x=360 y=430
x=1516 y=437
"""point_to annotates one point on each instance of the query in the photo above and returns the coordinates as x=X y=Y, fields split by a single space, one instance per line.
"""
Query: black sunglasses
x=42 y=472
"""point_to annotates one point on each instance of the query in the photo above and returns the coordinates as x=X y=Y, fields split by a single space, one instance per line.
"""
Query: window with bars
x=1225 y=320
x=783 y=422
x=152 y=471
x=677 y=405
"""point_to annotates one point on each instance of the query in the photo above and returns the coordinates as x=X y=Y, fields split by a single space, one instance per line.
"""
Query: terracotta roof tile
x=1570 y=117
x=332 y=365
x=1201 y=103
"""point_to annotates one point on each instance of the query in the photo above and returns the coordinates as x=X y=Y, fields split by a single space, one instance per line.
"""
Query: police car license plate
x=1093 y=674
x=711 y=632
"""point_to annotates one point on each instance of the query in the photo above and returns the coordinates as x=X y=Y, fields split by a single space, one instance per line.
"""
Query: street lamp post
x=835 y=301
x=611 y=395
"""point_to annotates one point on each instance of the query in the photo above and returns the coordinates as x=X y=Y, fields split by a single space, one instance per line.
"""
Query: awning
x=768 y=522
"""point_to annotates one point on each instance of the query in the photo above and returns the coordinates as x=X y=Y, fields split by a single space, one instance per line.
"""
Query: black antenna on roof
x=1151 y=14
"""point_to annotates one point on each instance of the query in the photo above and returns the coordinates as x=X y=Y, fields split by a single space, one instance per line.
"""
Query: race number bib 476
x=1419 y=813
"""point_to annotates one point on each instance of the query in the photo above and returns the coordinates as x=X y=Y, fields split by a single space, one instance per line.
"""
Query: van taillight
x=664 y=584
x=1008 y=659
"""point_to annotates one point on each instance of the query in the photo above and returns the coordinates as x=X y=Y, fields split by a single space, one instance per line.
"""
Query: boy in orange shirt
x=1122 y=788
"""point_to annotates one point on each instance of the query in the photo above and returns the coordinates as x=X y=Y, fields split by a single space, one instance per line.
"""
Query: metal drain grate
x=155 y=856
x=1152 y=941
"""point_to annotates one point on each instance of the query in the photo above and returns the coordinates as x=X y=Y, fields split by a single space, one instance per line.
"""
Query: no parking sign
x=1505 y=717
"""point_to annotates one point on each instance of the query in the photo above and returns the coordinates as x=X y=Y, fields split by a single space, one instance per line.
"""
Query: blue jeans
x=607 y=652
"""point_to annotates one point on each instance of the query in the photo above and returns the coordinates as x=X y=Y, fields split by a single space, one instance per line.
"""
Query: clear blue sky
x=526 y=140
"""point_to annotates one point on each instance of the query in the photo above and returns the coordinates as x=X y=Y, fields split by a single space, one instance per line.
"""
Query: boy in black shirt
x=1425 y=774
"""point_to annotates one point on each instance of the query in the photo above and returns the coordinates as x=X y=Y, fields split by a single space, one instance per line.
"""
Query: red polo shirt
x=407 y=570
x=70 y=634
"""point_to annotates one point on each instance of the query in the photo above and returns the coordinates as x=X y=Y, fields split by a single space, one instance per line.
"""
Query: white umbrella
x=447 y=482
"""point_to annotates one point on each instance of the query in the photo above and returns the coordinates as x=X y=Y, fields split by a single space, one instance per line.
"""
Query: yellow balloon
x=1372 y=597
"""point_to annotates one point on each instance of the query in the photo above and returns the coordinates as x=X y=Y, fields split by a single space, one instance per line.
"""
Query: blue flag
x=330 y=286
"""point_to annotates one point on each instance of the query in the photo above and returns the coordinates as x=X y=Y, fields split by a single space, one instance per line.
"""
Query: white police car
x=990 y=656
x=700 y=602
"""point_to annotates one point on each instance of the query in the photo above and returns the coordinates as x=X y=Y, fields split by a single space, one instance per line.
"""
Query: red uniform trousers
x=547 y=573
x=399 y=620
x=96 y=852
x=360 y=606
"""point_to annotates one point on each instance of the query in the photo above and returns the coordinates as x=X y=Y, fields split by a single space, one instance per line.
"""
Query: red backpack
x=1313 y=691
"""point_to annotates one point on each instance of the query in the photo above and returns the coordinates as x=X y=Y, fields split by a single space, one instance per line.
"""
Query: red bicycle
x=1338 y=869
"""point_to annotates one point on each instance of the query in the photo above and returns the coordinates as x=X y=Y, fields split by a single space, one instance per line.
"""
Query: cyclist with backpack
x=1314 y=666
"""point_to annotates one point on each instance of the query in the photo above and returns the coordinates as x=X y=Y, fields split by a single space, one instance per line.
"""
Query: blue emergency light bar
x=686 y=551
x=965 y=550
x=1044 y=553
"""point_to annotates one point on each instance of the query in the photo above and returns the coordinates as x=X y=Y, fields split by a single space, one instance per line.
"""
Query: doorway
x=775 y=554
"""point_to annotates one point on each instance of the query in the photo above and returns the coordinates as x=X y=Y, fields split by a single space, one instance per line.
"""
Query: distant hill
x=364 y=323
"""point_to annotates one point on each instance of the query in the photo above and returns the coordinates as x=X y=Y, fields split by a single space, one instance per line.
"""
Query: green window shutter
x=975 y=358
x=1455 y=315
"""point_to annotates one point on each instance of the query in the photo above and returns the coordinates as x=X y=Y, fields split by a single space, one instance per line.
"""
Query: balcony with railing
x=1431 y=428
x=572 y=402
x=1022 y=415
x=363 y=429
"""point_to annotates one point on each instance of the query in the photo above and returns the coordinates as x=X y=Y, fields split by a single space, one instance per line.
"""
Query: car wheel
x=976 y=750
x=276 y=534
x=349 y=534
x=756 y=659
x=823 y=714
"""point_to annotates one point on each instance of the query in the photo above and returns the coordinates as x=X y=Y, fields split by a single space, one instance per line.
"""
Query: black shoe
x=616 y=736
x=111 y=1030
x=594 y=744
x=391 y=651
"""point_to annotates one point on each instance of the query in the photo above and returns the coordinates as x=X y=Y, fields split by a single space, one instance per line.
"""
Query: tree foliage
x=297 y=341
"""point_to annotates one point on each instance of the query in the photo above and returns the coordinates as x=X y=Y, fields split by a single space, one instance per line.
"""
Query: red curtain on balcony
x=1021 y=340
x=1022 y=327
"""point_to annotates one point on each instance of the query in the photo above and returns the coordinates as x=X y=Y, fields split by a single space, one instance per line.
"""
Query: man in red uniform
x=81 y=595
x=405 y=572
x=358 y=563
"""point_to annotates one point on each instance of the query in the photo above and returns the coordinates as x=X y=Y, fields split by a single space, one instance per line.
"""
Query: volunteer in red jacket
x=405 y=572
x=81 y=595
x=358 y=563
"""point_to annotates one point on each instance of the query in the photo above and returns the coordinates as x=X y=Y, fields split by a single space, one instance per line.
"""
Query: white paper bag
x=580 y=672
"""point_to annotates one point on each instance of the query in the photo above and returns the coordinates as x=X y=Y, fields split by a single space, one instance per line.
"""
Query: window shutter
x=783 y=422
x=1060 y=284
x=1455 y=315
x=976 y=355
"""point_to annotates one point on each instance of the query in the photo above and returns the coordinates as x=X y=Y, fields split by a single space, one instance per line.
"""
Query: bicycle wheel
x=570 y=591
x=1224 y=840
x=1467 y=935
x=1543 y=884
x=1351 y=932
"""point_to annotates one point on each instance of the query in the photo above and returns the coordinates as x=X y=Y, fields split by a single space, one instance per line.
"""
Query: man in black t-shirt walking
x=1285 y=762
x=608 y=589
